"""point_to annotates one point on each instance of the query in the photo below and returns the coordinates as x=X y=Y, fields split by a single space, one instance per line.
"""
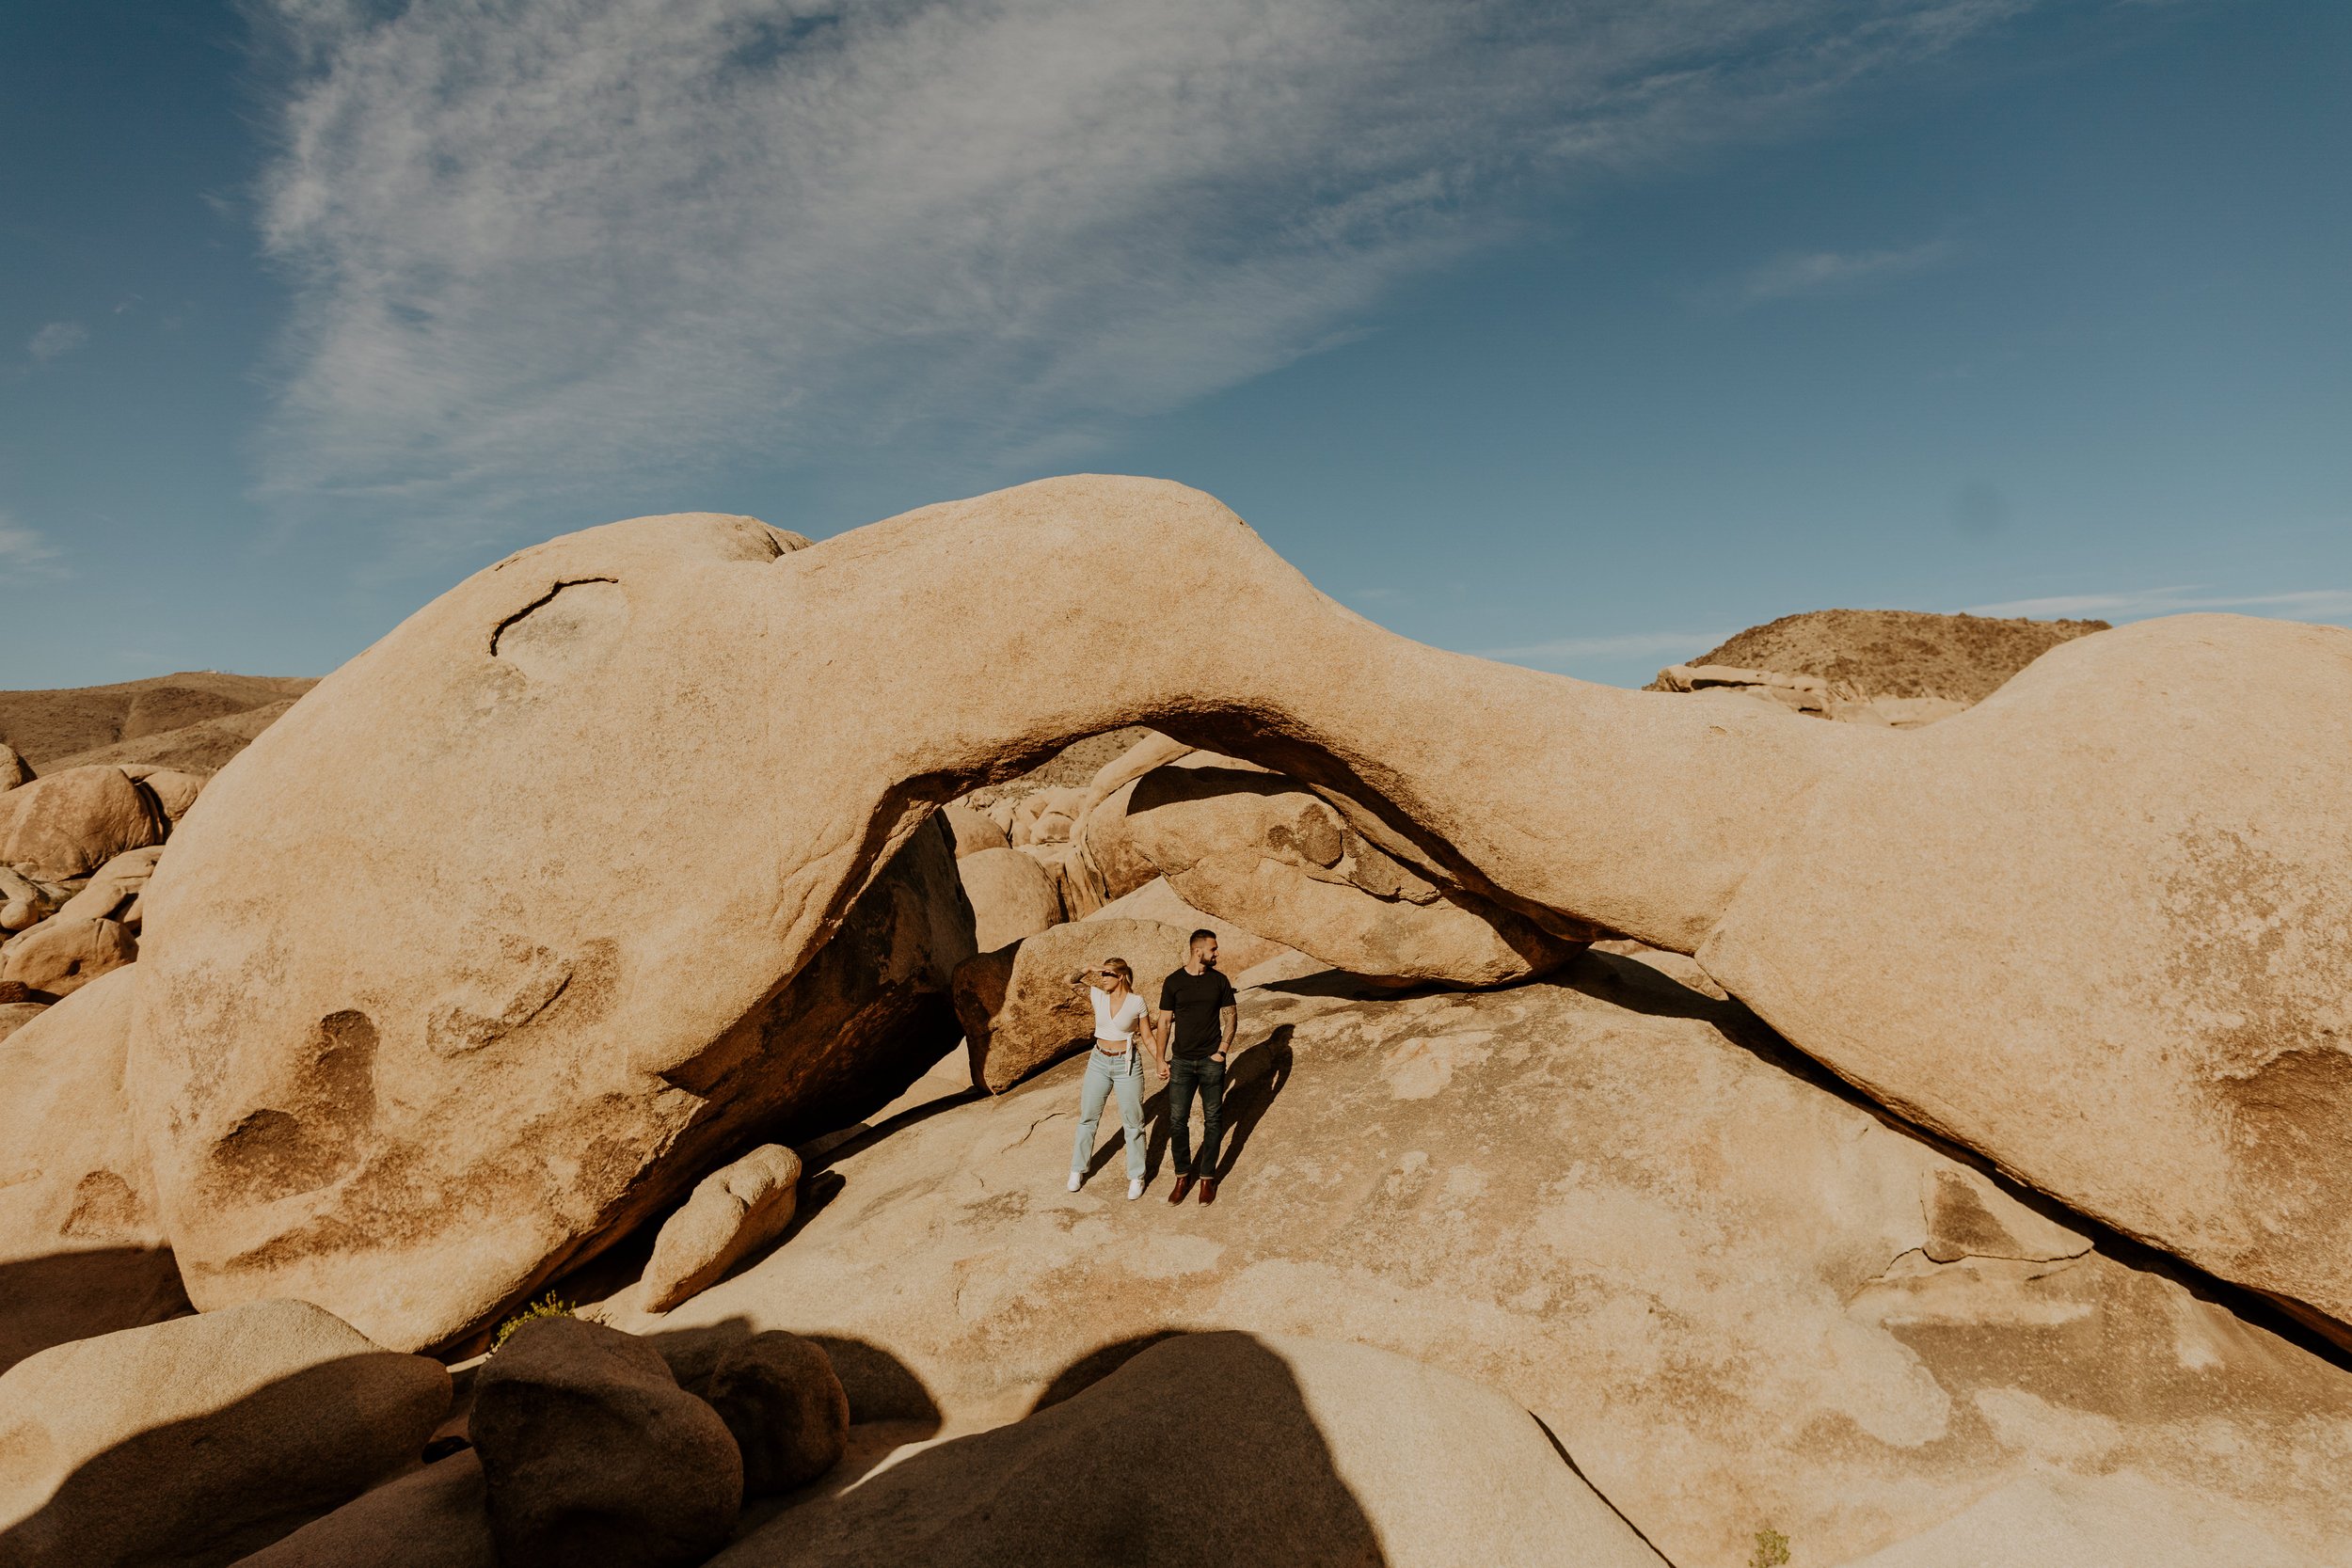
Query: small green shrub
x=1772 y=1549
x=552 y=1306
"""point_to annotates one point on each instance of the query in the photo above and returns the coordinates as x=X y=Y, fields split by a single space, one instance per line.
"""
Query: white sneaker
x=1075 y=1179
x=1135 y=1191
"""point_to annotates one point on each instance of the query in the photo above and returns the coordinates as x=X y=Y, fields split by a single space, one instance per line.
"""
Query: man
x=1206 y=1016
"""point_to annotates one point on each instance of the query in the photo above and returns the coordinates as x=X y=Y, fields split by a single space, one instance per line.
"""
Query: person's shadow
x=1257 y=1075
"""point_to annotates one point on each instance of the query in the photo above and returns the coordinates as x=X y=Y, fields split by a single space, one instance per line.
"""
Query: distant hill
x=1898 y=653
x=197 y=719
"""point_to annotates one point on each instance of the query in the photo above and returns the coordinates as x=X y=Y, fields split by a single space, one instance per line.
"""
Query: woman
x=1114 y=1066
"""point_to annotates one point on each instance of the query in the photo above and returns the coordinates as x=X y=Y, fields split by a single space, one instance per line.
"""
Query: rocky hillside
x=1897 y=653
x=195 y=719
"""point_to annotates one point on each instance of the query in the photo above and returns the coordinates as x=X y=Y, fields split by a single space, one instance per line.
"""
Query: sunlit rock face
x=1740 y=1296
x=453 y=973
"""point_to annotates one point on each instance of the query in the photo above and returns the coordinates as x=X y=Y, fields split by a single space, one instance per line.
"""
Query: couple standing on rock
x=1189 y=1037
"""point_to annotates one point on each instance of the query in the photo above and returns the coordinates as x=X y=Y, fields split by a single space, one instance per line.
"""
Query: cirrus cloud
x=540 y=243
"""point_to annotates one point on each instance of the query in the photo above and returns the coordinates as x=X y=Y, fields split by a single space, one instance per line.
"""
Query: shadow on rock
x=76 y=1296
x=1220 y=1450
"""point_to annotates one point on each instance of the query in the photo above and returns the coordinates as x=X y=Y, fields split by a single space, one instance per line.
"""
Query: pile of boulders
x=275 y=1434
x=76 y=851
x=1166 y=840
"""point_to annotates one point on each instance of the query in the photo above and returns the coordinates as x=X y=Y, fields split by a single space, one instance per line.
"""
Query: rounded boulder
x=594 y=1457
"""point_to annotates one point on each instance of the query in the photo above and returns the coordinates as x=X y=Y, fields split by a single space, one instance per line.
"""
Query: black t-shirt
x=1196 y=1000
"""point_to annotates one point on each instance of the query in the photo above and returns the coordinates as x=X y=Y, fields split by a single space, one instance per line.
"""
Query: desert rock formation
x=1323 y=1454
x=285 y=1118
x=200 y=1439
x=1738 y=1296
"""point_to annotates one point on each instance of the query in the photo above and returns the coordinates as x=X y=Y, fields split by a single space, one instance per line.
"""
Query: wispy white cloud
x=2310 y=604
x=539 y=243
x=1826 y=271
x=24 y=549
x=56 y=339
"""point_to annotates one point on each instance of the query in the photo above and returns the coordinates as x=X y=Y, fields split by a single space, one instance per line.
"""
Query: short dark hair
x=1201 y=935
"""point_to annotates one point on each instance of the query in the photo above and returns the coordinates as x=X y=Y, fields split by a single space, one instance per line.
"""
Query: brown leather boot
x=1182 y=1184
x=1208 y=1190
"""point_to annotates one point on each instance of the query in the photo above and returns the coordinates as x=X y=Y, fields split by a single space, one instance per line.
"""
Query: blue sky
x=1581 y=334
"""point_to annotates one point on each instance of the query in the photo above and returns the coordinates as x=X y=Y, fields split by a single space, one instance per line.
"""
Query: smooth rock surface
x=60 y=955
x=2184 y=1071
x=70 y=823
x=973 y=830
x=112 y=886
x=735 y=1210
x=1625 y=1207
x=1253 y=1450
x=1077 y=888
x=199 y=1440
x=1156 y=901
x=1020 y=1012
x=1262 y=852
x=1012 y=896
x=784 y=1407
x=2123 y=1520
x=82 y=1252
x=175 y=788
x=594 y=1457
x=538 y=1174
x=432 y=1518
x=404 y=811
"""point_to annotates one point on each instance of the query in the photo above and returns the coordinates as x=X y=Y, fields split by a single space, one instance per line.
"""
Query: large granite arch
x=448 y=974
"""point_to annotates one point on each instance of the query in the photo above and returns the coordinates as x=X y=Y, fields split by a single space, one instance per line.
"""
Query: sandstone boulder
x=68 y=824
x=740 y=1207
x=175 y=788
x=594 y=1457
x=197 y=1440
x=112 y=887
x=1629 y=1209
x=1046 y=815
x=549 y=1167
x=2188 y=1079
x=1012 y=896
x=1019 y=1010
x=1332 y=1456
x=784 y=1407
x=1156 y=901
x=1077 y=886
x=1276 y=860
x=16 y=1015
x=973 y=830
x=435 y=1517
x=14 y=769
x=23 y=901
x=404 y=811
x=60 y=955
x=81 y=1250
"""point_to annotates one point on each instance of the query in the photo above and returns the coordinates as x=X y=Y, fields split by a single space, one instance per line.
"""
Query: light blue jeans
x=1105 y=1074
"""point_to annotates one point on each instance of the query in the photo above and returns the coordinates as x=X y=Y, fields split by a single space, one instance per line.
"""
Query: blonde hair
x=1118 y=966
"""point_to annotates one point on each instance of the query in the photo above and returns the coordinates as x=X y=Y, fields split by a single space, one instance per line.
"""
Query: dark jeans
x=1184 y=1074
